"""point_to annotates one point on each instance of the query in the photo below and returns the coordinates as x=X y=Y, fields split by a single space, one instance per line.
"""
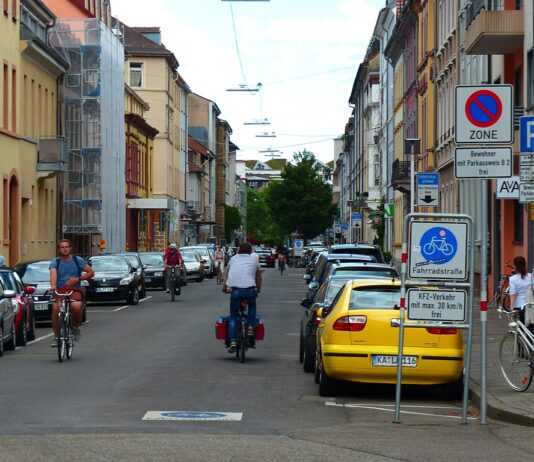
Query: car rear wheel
x=31 y=330
x=308 y=363
x=327 y=386
x=11 y=343
x=22 y=333
x=1 y=341
x=301 y=346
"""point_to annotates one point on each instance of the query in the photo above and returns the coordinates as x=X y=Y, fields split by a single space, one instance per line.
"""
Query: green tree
x=232 y=221
x=302 y=201
x=258 y=215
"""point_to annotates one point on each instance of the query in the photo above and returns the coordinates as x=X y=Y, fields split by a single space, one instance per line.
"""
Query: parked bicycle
x=516 y=350
x=65 y=340
x=175 y=281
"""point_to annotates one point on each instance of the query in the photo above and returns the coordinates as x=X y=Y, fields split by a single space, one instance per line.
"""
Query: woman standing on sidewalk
x=520 y=283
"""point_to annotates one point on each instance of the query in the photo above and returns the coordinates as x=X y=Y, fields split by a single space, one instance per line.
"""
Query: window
x=6 y=96
x=136 y=75
x=14 y=100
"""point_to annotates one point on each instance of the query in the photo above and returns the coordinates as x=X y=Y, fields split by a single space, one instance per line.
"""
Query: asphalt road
x=163 y=356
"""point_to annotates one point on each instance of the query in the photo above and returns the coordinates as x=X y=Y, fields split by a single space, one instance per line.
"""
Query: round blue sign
x=438 y=245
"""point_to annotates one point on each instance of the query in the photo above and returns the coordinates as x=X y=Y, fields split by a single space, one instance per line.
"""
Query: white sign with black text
x=436 y=305
x=508 y=188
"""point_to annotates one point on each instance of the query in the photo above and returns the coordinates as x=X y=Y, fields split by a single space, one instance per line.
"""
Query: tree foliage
x=302 y=201
x=232 y=221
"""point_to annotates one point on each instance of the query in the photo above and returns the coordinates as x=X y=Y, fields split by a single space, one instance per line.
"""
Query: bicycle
x=281 y=265
x=65 y=339
x=515 y=351
x=242 y=340
x=219 y=271
x=175 y=282
x=439 y=244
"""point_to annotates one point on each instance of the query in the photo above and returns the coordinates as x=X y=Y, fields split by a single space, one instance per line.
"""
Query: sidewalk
x=503 y=403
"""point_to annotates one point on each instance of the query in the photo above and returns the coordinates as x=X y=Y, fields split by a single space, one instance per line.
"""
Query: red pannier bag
x=221 y=328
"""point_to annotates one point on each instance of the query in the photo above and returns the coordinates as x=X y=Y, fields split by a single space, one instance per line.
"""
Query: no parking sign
x=484 y=114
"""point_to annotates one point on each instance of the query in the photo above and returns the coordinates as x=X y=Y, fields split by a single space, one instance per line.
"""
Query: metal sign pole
x=483 y=302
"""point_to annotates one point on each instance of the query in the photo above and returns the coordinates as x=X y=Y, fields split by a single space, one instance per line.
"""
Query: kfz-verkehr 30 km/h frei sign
x=437 y=250
x=484 y=114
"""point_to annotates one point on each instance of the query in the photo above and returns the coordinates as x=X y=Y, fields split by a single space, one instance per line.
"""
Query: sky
x=304 y=53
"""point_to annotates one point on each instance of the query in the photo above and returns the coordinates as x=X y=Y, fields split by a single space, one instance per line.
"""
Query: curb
x=496 y=410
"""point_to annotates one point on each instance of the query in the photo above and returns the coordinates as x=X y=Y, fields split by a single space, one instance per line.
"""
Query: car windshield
x=133 y=260
x=36 y=273
x=109 y=264
x=152 y=260
x=375 y=298
x=367 y=272
x=188 y=256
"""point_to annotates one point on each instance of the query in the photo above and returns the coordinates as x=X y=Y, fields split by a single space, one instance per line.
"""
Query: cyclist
x=243 y=277
x=520 y=283
x=172 y=257
x=281 y=261
x=219 y=259
x=66 y=274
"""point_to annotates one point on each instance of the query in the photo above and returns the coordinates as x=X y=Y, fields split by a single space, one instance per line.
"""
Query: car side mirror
x=306 y=277
x=29 y=290
x=145 y=267
x=133 y=270
x=320 y=312
x=313 y=285
x=9 y=293
x=306 y=302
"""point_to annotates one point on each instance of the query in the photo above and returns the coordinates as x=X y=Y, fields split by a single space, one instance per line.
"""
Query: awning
x=150 y=203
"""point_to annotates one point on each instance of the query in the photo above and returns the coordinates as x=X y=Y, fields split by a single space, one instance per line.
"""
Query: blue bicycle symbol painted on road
x=438 y=245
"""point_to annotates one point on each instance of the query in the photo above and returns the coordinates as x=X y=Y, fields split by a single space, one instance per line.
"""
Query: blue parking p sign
x=526 y=134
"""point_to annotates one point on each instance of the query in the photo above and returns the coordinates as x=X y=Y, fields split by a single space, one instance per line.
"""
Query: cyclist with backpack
x=172 y=257
x=65 y=276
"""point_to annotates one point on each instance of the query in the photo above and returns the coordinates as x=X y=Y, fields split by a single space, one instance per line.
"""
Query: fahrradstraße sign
x=437 y=250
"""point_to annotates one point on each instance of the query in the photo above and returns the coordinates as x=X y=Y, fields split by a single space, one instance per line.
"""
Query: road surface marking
x=40 y=338
x=194 y=416
x=391 y=408
x=146 y=298
x=121 y=308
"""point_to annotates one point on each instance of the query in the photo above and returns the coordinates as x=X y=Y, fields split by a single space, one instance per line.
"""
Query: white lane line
x=384 y=407
x=146 y=298
x=121 y=308
x=40 y=338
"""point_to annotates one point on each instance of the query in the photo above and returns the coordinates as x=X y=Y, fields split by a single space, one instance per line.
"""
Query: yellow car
x=357 y=341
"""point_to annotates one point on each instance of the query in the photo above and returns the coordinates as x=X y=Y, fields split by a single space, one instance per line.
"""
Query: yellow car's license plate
x=391 y=361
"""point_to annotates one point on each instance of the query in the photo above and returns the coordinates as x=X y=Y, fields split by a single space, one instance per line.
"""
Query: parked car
x=358 y=341
x=310 y=320
x=266 y=258
x=360 y=270
x=324 y=262
x=8 y=333
x=154 y=269
x=37 y=274
x=194 y=265
x=115 y=279
x=205 y=255
x=362 y=249
x=135 y=260
x=24 y=309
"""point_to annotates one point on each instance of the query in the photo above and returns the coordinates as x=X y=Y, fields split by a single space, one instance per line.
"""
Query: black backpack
x=58 y=261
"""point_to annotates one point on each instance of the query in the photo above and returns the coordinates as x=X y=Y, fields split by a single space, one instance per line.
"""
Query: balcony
x=400 y=176
x=494 y=32
x=52 y=157
x=193 y=207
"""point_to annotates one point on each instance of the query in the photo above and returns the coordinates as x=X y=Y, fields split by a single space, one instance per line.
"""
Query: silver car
x=7 y=319
x=205 y=255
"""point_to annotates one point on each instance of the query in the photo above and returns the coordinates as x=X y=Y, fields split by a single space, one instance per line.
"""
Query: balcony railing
x=193 y=206
x=53 y=156
x=493 y=31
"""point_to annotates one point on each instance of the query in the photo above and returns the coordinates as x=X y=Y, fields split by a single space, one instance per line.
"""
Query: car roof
x=35 y=262
x=355 y=256
x=363 y=283
x=364 y=264
x=353 y=246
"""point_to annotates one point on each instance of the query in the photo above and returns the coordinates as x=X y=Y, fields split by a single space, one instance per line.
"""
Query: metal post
x=350 y=220
x=412 y=178
x=483 y=301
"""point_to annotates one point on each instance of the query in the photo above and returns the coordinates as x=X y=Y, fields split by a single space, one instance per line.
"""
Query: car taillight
x=317 y=321
x=351 y=323
x=441 y=330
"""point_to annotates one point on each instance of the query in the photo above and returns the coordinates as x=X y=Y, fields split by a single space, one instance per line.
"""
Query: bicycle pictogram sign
x=438 y=245
x=483 y=108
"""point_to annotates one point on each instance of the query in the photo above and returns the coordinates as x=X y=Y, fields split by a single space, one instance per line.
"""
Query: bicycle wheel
x=61 y=339
x=173 y=286
x=242 y=342
x=70 y=338
x=514 y=359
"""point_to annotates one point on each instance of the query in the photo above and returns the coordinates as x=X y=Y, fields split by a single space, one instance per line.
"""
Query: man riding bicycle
x=172 y=257
x=66 y=276
x=243 y=277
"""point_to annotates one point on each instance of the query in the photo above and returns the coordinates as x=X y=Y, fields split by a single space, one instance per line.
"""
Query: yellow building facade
x=31 y=150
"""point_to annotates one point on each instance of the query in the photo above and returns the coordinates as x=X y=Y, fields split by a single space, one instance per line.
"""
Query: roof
x=250 y=163
x=277 y=164
x=136 y=44
x=197 y=146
